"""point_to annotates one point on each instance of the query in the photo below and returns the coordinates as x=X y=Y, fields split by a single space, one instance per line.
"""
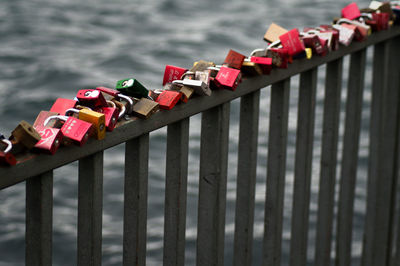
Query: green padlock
x=132 y=87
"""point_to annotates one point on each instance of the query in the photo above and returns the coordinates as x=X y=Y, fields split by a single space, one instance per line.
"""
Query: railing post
x=246 y=178
x=333 y=86
x=175 y=193
x=212 y=187
x=350 y=157
x=90 y=209
x=303 y=167
x=276 y=169
x=384 y=111
x=39 y=220
x=135 y=200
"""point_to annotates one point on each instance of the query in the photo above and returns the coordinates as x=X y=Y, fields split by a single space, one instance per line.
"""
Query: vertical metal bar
x=303 y=167
x=382 y=154
x=350 y=157
x=175 y=193
x=394 y=114
x=39 y=219
x=135 y=200
x=378 y=84
x=276 y=167
x=90 y=207
x=246 y=178
x=212 y=187
x=333 y=87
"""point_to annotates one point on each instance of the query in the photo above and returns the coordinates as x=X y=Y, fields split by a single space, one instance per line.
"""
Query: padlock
x=111 y=115
x=313 y=41
x=265 y=63
x=6 y=157
x=250 y=68
x=292 y=42
x=25 y=134
x=74 y=130
x=228 y=78
x=95 y=118
x=382 y=21
x=144 y=108
x=374 y=5
x=43 y=115
x=91 y=98
x=203 y=76
x=172 y=73
x=119 y=96
x=61 y=105
x=50 y=141
x=199 y=86
x=201 y=65
x=280 y=57
x=351 y=11
x=273 y=33
x=168 y=99
x=132 y=87
x=329 y=33
x=234 y=59
x=362 y=30
x=346 y=33
x=186 y=92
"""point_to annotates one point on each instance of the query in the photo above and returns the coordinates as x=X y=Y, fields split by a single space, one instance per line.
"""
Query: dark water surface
x=51 y=49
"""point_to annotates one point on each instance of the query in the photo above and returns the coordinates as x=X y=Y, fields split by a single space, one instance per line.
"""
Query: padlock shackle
x=9 y=145
x=122 y=112
x=61 y=117
x=71 y=110
x=255 y=51
x=274 y=44
x=353 y=22
x=128 y=100
x=111 y=103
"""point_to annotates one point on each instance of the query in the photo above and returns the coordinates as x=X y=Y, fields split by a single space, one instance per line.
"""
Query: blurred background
x=51 y=49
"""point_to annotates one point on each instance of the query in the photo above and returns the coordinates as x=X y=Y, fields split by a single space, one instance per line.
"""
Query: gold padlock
x=144 y=108
x=201 y=65
x=95 y=118
x=251 y=68
x=25 y=134
x=273 y=33
x=187 y=92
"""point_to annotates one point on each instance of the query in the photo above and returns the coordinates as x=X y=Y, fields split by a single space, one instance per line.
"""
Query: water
x=50 y=49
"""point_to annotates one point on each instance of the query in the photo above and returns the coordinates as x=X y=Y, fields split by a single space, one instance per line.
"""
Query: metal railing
x=381 y=244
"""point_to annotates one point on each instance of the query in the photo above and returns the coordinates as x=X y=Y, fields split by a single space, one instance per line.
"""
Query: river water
x=51 y=49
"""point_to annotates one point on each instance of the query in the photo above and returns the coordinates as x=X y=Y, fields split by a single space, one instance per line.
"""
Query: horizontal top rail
x=37 y=164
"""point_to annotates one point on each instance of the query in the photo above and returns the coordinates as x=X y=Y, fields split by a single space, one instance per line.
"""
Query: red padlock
x=50 y=141
x=111 y=116
x=333 y=45
x=74 y=129
x=117 y=94
x=6 y=157
x=346 y=33
x=382 y=20
x=91 y=98
x=61 y=105
x=168 y=99
x=228 y=78
x=315 y=43
x=351 y=11
x=264 y=62
x=280 y=57
x=234 y=59
x=292 y=42
x=172 y=73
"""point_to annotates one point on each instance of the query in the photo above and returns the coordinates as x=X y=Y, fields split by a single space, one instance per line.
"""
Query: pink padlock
x=228 y=78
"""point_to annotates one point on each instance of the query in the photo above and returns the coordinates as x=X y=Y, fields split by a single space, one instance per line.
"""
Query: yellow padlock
x=95 y=118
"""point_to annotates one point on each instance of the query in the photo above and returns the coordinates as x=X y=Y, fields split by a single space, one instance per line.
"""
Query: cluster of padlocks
x=94 y=111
